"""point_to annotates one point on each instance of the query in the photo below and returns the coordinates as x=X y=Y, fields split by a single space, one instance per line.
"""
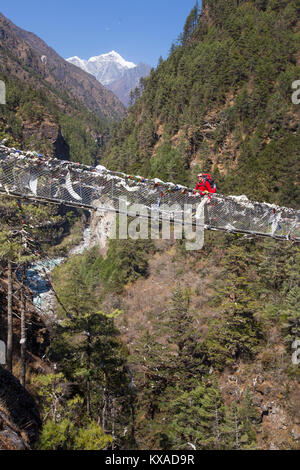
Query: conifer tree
x=291 y=326
x=181 y=333
x=232 y=427
x=19 y=242
x=236 y=333
x=86 y=346
x=198 y=417
x=190 y=24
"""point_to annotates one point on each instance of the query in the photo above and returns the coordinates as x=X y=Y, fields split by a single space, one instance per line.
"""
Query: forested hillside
x=222 y=103
x=212 y=355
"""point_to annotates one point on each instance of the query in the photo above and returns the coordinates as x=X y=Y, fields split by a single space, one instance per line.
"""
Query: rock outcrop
x=102 y=227
x=19 y=416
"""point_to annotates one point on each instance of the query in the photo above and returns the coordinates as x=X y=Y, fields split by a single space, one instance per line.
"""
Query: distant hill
x=128 y=82
x=113 y=71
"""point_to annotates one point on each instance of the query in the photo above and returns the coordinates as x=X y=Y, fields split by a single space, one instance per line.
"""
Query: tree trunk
x=88 y=397
x=237 y=434
x=132 y=407
x=113 y=424
x=23 y=338
x=9 y=319
x=104 y=410
x=88 y=384
x=217 y=428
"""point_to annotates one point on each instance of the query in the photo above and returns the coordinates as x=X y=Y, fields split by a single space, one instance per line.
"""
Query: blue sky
x=140 y=30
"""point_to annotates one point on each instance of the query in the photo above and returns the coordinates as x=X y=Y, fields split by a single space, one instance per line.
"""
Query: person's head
x=201 y=176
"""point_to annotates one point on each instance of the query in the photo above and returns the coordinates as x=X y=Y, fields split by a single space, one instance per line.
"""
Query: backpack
x=211 y=182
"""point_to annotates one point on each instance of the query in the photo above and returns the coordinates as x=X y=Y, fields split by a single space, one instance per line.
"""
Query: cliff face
x=19 y=416
x=102 y=227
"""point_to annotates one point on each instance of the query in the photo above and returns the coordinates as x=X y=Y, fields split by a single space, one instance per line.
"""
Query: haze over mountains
x=114 y=72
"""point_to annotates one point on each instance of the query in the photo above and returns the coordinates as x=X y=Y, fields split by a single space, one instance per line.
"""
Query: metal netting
x=34 y=176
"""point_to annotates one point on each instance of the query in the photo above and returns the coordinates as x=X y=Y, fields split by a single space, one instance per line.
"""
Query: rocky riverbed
x=38 y=274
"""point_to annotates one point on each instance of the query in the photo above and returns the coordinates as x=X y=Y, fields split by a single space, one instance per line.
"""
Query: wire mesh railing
x=34 y=176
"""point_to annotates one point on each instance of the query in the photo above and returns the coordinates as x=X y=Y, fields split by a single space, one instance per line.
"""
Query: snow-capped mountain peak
x=113 y=71
x=78 y=62
x=112 y=56
x=105 y=67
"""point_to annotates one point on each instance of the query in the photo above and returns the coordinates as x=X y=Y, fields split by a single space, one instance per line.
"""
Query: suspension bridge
x=32 y=176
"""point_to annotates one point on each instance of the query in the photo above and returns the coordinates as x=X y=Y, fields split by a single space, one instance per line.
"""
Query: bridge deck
x=34 y=177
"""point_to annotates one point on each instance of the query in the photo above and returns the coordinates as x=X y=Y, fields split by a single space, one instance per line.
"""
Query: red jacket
x=204 y=185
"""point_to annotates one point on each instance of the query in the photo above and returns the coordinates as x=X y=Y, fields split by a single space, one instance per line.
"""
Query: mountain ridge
x=95 y=65
x=114 y=72
x=51 y=105
x=52 y=68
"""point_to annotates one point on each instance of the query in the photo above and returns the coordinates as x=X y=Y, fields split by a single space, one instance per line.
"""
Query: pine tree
x=93 y=353
x=190 y=24
x=232 y=427
x=291 y=326
x=154 y=372
x=236 y=332
x=198 y=417
x=181 y=334
x=250 y=418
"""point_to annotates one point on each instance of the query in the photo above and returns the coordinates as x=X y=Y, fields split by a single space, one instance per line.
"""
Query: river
x=37 y=275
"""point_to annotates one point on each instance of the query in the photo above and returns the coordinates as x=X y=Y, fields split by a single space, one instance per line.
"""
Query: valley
x=147 y=345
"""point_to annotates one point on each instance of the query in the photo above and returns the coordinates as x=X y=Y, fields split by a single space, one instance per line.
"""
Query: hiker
x=205 y=184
